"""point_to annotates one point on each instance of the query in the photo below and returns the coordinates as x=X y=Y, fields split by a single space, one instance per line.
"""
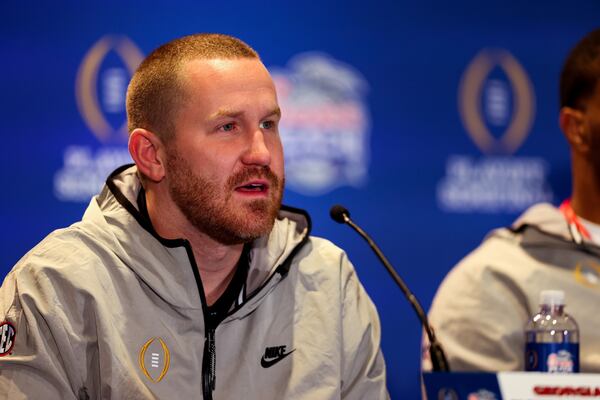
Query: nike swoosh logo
x=269 y=363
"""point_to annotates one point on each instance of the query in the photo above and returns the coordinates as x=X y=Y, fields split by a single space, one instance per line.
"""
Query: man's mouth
x=253 y=187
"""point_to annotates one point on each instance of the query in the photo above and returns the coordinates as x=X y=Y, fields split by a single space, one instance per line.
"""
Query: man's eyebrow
x=234 y=114
x=225 y=113
x=276 y=111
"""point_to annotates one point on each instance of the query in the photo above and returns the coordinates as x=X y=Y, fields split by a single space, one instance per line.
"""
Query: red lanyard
x=575 y=224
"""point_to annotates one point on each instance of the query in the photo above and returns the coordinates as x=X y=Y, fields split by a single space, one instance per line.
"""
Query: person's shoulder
x=66 y=254
x=497 y=254
x=326 y=250
x=545 y=216
x=501 y=249
x=325 y=245
x=499 y=263
x=321 y=256
x=498 y=258
x=496 y=249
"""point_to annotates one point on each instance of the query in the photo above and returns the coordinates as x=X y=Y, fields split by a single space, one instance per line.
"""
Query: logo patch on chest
x=588 y=273
x=7 y=338
x=273 y=355
x=154 y=359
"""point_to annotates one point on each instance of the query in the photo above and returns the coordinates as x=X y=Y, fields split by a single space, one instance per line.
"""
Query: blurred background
x=432 y=121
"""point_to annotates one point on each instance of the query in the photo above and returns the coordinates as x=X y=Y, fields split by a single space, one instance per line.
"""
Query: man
x=481 y=309
x=186 y=277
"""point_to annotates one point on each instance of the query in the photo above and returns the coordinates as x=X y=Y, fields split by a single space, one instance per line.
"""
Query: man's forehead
x=197 y=68
x=229 y=87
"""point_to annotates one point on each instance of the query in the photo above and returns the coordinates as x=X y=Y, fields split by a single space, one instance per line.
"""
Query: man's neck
x=216 y=262
x=586 y=192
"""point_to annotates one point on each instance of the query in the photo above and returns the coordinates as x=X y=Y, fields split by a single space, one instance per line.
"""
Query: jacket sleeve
x=363 y=366
x=32 y=365
x=479 y=315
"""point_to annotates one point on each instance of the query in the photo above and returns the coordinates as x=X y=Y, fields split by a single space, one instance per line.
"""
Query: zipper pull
x=209 y=364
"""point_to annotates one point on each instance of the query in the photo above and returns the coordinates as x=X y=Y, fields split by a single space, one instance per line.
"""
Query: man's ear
x=146 y=149
x=572 y=123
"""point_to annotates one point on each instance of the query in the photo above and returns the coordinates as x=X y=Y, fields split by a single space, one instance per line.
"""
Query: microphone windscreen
x=337 y=213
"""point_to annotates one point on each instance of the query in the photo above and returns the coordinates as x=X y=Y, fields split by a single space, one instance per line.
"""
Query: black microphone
x=438 y=359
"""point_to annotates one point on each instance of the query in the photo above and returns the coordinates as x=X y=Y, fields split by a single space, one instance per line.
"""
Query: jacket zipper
x=209 y=358
x=209 y=364
x=209 y=354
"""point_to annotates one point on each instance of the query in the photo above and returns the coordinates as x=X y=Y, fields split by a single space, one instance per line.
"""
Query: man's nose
x=258 y=152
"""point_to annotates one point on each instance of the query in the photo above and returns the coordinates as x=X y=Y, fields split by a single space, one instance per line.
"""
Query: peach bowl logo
x=482 y=394
x=560 y=362
x=325 y=123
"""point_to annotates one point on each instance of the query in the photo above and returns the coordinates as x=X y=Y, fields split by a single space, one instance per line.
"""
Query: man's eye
x=267 y=124
x=228 y=127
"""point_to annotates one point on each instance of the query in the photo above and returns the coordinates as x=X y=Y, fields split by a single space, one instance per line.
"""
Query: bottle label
x=552 y=357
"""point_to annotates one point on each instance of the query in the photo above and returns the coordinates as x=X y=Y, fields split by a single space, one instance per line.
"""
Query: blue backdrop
x=431 y=121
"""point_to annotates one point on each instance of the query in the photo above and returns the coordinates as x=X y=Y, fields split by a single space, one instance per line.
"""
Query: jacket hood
x=544 y=225
x=167 y=266
x=546 y=218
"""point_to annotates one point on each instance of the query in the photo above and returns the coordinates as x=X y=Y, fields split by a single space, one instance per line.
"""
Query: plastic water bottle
x=552 y=337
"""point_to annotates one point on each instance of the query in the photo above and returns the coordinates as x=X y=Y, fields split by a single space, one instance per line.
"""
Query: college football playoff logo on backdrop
x=101 y=86
x=325 y=123
x=495 y=95
x=100 y=89
x=496 y=103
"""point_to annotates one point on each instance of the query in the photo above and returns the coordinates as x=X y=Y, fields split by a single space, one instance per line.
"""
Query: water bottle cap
x=552 y=297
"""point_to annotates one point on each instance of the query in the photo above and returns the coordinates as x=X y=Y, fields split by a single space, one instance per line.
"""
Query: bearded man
x=186 y=277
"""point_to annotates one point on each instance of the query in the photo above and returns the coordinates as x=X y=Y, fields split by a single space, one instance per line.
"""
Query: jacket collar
x=546 y=218
x=167 y=265
x=545 y=224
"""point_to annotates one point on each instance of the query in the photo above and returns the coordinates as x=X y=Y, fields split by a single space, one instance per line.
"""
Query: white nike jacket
x=107 y=309
x=481 y=309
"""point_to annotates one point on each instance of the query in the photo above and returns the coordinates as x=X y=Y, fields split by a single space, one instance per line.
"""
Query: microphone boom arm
x=438 y=358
